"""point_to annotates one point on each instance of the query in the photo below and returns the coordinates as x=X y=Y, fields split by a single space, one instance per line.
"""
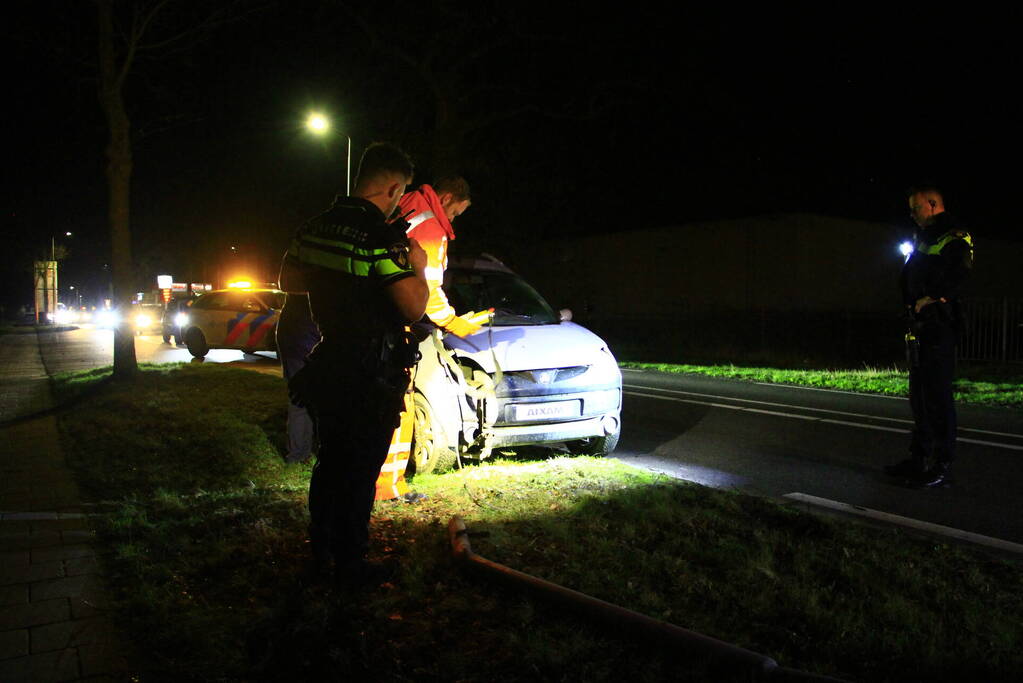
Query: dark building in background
x=792 y=289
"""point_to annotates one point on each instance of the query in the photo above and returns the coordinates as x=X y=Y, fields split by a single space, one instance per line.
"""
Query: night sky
x=565 y=121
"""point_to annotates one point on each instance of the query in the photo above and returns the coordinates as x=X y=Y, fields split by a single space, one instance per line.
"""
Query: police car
x=530 y=376
x=234 y=318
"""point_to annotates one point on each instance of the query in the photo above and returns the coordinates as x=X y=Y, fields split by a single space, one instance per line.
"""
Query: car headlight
x=605 y=369
x=107 y=318
x=143 y=320
x=181 y=319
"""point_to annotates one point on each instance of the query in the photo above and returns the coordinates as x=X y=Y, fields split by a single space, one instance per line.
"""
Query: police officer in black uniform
x=365 y=281
x=930 y=282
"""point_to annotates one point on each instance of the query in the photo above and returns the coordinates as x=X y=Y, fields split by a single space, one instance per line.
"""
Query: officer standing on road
x=365 y=282
x=930 y=283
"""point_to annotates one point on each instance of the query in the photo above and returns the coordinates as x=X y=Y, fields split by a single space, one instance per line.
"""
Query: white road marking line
x=929 y=527
x=810 y=418
x=816 y=410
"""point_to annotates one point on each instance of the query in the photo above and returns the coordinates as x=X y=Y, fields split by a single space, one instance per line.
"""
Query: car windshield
x=514 y=301
x=274 y=300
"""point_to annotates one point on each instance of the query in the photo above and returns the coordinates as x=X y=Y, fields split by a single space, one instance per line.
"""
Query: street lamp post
x=319 y=124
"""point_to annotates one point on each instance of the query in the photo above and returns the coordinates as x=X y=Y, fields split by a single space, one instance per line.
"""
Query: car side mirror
x=566 y=314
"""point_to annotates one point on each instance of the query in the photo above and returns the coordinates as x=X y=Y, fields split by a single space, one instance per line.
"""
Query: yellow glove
x=462 y=326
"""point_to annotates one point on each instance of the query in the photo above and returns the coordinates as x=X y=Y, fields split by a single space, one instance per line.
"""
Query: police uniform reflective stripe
x=346 y=258
x=944 y=240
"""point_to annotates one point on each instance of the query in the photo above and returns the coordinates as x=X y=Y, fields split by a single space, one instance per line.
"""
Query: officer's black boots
x=933 y=477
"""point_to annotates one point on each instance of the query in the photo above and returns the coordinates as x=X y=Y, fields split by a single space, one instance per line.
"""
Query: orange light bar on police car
x=240 y=284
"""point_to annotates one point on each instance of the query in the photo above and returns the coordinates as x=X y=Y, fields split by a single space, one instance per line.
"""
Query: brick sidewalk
x=53 y=625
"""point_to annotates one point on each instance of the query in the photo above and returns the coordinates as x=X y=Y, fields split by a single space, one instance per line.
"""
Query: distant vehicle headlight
x=62 y=317
x=143 y=320
x=107 y=318
x=181 y=319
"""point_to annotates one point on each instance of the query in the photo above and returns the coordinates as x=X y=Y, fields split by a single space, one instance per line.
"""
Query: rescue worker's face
x=922 y=209
x=452 y=207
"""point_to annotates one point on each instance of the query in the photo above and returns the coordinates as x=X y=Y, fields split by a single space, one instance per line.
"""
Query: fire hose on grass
x=721 y=654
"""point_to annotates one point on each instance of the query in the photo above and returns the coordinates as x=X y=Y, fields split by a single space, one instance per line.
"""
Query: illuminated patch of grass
x=207 y=539
x=974 y=384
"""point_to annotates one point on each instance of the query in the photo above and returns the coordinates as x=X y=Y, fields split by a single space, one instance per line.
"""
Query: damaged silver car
x=529 y=377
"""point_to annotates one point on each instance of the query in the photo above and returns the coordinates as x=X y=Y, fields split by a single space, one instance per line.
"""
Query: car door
x=211 y=313
x=251 y=327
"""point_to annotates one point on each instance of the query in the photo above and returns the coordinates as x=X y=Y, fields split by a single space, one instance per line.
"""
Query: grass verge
x=207 y=546
x=975 y=384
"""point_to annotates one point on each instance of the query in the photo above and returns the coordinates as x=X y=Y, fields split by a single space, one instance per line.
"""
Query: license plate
x=546 y=411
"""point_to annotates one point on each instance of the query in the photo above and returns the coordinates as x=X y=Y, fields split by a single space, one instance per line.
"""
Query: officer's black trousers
x=930 y=396
x=354 y=440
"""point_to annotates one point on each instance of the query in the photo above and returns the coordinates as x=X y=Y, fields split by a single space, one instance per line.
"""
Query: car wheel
x=196 y=342
x=597 y=446
x=431 y=451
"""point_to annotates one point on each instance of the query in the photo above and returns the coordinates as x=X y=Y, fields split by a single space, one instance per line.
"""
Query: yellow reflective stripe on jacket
x=950 y=236
x=417 y=219
x=345 y=257
x=438 y=309
x=391 y=482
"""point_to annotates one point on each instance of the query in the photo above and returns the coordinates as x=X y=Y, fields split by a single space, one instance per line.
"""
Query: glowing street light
x=319 y=124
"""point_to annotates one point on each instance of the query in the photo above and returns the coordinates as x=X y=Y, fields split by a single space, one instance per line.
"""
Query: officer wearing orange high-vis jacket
x=433 y=210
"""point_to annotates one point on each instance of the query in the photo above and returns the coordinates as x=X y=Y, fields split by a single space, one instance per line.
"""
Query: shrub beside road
x=205 y=528
x=983 y=385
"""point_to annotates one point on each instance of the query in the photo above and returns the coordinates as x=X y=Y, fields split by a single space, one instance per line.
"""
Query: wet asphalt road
x=777 y=440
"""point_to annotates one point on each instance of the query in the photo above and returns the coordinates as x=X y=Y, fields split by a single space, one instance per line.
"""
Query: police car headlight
x=143 y=320
x=181 y=319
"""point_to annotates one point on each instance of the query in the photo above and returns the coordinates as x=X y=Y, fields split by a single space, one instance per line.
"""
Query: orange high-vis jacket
x=431 y=228
x=391 y=482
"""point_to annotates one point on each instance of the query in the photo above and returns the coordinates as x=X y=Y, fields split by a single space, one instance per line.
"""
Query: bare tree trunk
x=118 y=171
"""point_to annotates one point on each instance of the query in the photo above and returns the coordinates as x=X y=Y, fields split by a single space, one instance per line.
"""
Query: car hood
x=528 y=347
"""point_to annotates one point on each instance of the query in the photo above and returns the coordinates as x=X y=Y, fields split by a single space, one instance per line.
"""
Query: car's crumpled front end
x=550 y=383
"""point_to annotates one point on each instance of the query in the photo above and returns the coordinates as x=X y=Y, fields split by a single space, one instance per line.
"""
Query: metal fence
x=994 y=330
